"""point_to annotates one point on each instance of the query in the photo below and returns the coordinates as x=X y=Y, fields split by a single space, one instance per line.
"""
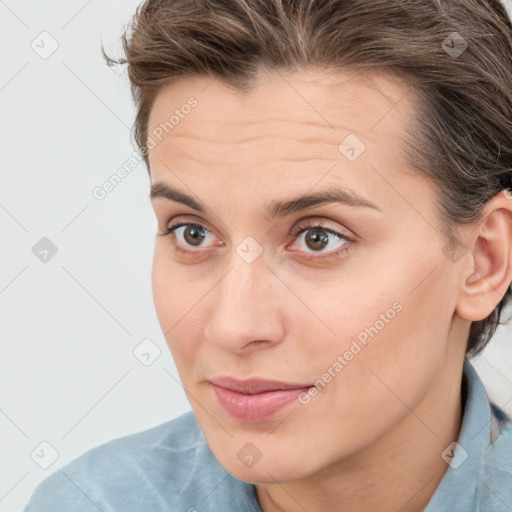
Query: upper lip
x=254 y=385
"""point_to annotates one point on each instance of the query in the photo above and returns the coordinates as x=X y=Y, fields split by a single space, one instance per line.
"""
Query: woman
x=331 y=184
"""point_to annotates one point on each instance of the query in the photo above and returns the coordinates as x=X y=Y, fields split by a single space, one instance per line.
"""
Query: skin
x=372 y=438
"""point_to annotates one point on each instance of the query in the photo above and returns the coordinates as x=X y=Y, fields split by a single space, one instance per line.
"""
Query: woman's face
x=354 y=298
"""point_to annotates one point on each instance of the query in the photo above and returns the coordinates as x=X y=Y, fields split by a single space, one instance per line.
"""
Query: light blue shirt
x=171 y=468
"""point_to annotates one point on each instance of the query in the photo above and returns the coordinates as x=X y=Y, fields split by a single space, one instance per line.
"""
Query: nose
x=247 y=308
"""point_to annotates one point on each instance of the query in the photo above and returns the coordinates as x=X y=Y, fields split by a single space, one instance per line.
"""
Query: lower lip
x=257 y=407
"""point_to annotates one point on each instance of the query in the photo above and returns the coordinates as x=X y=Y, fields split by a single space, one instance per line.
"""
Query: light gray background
x=70 y=325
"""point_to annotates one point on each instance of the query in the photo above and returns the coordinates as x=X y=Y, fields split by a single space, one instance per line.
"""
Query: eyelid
x=187 y=219
x=312 y=222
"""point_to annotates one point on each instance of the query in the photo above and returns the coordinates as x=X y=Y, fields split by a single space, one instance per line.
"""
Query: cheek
x=392 y=324
x=174 y=301
x=162 y=289
x=173 y=291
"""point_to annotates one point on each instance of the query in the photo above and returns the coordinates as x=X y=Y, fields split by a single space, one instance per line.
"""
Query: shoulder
x=122 y=470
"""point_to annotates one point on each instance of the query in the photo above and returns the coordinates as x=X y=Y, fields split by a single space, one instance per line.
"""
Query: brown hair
x=456 y=55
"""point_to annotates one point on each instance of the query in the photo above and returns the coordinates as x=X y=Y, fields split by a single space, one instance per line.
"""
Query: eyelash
x=296 y=231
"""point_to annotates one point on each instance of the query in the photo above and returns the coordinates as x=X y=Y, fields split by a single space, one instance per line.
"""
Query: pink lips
x=254 y=399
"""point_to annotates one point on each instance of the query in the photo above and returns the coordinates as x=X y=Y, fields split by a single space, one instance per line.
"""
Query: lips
x=253 y=386
x=255 y=399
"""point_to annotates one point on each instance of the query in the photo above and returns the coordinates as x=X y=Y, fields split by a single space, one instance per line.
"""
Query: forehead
x=282 y=139
x=286 y=135
x=304 y=106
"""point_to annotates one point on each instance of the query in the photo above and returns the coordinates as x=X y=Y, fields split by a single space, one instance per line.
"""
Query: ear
x=487 y=267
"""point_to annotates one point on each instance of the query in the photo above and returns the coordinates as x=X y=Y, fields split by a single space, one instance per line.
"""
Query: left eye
x=318 y=237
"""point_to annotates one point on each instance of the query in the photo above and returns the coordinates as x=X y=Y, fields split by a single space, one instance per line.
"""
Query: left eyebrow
x=274 y=209
x=332 y=194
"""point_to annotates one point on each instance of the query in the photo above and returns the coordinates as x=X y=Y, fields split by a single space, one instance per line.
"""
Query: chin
x=278 y=467
x=264 y=475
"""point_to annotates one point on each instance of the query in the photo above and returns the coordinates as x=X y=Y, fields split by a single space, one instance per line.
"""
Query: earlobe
x=487 y=271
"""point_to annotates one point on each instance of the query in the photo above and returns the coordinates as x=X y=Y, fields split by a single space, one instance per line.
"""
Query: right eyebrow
x=162 y=190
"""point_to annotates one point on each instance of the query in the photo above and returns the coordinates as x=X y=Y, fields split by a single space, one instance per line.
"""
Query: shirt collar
x=459 y=487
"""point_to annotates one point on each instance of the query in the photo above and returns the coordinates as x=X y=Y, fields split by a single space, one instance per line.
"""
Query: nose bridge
x=245 y=306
